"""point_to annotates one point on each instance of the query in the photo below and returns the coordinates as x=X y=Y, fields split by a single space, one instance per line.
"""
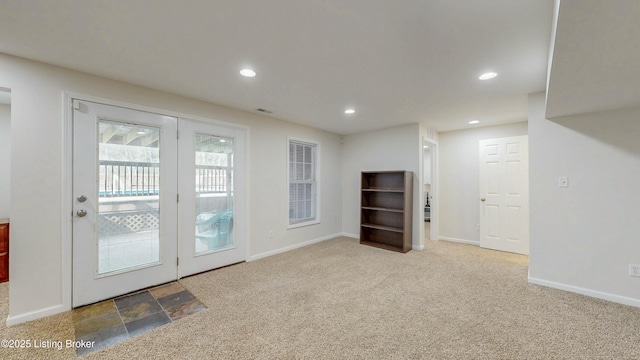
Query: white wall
x=5 y=159
x=458 y=179
x=584 y=237
x=40 y=270
x=395 y=148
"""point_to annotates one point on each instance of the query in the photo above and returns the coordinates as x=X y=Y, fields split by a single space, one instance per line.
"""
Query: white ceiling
x=596 y=57
x=395 y=62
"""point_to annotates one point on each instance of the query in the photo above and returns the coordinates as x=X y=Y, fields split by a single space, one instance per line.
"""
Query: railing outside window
x=213 y=179
x=121 y=179
x=124 y=178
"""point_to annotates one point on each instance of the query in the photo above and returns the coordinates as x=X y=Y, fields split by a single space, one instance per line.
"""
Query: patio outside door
x=131 y=229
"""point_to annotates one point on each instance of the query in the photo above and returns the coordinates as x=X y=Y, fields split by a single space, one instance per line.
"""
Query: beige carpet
x=341 y=300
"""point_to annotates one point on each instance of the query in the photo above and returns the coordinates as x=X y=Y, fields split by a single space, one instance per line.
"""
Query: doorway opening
x=429 y=188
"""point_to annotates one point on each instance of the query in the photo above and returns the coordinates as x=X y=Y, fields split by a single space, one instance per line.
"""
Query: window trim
x=316 y=220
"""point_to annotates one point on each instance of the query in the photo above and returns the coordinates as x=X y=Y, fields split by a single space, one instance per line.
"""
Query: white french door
x=125 y=210
x=504 y=194
x=131 y=229
x=212 y=215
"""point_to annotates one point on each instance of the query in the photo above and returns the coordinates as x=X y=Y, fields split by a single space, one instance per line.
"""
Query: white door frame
x=434 y=190
x=66 y=224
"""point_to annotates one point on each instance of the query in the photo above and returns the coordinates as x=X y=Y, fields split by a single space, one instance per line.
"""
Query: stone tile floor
x=112 y=321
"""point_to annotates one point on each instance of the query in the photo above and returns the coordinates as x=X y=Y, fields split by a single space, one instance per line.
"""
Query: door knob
x=82 y=198
x=483 y=199
x=81 y=213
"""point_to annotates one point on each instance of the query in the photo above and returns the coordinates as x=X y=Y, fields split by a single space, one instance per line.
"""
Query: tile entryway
x=112 y=321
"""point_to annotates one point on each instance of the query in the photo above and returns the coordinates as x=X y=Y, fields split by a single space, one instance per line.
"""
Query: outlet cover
x=634 y=270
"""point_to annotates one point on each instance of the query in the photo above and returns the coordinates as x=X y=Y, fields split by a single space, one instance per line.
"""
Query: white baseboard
x=588 y=292
x=291 y=247
x=354 y=236
x=37 y=314
x=462 y=241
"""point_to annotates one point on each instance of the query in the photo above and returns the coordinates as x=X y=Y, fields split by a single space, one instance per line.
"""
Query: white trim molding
x=462 y=241
x=66 y=228
x=291 y=247
x=350 y=235
x=588 y=292
x=37 y=314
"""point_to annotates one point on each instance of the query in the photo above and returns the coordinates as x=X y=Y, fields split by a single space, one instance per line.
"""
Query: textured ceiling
x=395 y=62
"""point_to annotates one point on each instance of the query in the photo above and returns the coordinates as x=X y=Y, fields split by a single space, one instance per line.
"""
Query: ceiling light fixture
x=472 y=122
x=247 y=73
x=488 y=75
x=349 y=111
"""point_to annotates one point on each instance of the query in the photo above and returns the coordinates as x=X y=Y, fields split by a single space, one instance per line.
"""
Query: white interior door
x=125 y=207
x=504 y=194
x=212 y=224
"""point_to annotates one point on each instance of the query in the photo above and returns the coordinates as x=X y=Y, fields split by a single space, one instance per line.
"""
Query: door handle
x=81 y=213
x=483 y=199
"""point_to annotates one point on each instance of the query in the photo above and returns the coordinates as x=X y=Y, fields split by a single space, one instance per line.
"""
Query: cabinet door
x=4 y=238
x=4 y=252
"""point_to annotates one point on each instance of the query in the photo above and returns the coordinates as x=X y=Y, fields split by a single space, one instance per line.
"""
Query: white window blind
x=302 y=182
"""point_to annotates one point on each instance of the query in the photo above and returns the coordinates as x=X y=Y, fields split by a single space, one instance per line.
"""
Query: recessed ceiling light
x=350 y=111
x=474 y=122
x=140 y=132
x=247 y=73
x=488 y=75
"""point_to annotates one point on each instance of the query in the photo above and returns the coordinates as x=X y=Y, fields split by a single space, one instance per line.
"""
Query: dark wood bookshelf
x=386 y=209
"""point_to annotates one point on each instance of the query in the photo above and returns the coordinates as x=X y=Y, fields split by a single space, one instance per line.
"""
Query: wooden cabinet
x=386 y=210
x=4 y=252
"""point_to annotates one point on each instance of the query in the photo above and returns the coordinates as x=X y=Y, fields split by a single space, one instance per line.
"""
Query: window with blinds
x=303 y=182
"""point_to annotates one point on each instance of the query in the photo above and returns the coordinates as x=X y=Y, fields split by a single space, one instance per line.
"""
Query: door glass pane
x=129 y=196
x=214 y=193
